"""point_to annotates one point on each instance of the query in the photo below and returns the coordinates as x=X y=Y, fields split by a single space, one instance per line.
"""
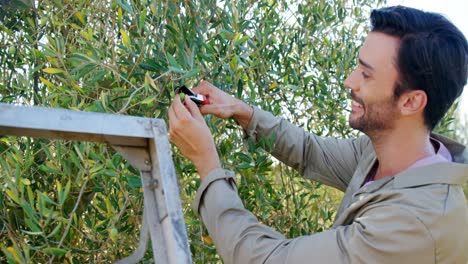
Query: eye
x=365 y=75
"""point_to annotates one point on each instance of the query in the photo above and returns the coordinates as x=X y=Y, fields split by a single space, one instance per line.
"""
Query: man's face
x=372 y=83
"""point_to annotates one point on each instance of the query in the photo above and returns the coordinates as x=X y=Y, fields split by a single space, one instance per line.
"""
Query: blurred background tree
x=76 y=202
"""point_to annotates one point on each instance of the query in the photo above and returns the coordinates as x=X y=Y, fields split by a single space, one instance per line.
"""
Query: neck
x=399 y=148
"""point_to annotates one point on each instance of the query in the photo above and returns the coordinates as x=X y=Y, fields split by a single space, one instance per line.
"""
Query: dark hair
x=432 y=56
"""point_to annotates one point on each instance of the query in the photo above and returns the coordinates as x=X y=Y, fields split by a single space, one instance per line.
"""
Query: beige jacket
x=417 y=216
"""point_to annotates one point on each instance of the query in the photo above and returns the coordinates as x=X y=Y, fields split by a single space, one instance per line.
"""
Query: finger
x=172 y=120
x=172 y=115
x=193 y=109
x=170 y=112
x=204 y=87
x=179 y=109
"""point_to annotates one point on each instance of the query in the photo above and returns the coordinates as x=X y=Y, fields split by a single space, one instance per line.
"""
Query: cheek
x=374 y=91
x=387 y=83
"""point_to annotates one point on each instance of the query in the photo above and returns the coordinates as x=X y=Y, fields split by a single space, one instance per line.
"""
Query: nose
x=351 y=81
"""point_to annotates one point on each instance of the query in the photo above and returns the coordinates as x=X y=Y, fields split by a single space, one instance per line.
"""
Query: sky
x=455 y=11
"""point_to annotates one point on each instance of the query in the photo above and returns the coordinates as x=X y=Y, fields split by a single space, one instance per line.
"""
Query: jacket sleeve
x=330 y=161
x=380 y=234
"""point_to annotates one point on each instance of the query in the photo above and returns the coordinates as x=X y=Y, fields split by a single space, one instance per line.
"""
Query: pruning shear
x=199 y=99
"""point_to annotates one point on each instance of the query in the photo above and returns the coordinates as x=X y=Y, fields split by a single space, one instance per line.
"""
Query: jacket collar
x=439 y=173
x=458 y=151
x=444 y=173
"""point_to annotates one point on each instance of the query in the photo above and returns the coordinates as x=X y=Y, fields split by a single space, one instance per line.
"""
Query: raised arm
x=327 y=160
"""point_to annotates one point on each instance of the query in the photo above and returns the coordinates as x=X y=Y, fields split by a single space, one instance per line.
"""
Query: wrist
x=242 y=113
x=204 y=170
x=206 y=165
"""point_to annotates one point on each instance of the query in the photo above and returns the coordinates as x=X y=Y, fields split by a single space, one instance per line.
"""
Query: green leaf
x=149 y=99
x=244 y=157
x=192 y=73
x=47 y=169
x=13 y=194
x=96 y=168
x=108 y=172
x=176 y=70
x=12 y=255
x=80 y=17
x=142 y=20
x=55 y=231
x=25 y=181
x=29 y=211
x=174 y=65
x=65 y=193
x=114 y=234
x=32 y=233
x=32 y=225
x=46 y=198
x=244 y=166
x=133 y=182
x=240 y=41
x=127 y=7
x=46 y=82
x=52 y=70
x=59 y=252
x=125 y=39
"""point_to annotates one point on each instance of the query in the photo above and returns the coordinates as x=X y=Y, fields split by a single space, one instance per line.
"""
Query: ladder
x=141 y=141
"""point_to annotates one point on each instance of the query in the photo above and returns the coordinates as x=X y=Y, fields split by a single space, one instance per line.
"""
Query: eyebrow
x=367 y=65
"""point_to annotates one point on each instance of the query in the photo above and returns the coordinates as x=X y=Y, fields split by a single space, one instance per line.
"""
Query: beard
x=376 y=116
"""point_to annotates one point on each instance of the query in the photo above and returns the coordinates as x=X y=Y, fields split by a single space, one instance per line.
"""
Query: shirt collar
x=442 y=154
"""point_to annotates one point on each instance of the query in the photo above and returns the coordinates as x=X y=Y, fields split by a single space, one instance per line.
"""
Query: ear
x=412 y=102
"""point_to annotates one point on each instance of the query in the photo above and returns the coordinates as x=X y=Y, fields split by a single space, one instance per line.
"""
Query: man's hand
x=223 y=105
x=189 y=132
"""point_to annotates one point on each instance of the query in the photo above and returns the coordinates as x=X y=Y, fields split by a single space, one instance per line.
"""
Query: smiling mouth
x=355 y=104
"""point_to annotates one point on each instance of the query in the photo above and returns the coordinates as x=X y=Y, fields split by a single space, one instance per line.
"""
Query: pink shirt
x=442 y=155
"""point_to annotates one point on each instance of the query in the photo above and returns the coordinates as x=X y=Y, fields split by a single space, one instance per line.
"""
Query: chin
x=353 y=125
x=357 y=123
x=353 y=120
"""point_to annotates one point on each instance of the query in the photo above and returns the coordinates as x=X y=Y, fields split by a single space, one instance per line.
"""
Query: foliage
x=456 y=127
x=81 y=202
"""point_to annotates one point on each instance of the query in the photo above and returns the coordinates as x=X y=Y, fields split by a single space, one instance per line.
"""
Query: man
x=404 y=202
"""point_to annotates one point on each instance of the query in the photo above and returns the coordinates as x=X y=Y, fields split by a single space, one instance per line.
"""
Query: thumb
x=209 y=109
x=219 y=111
x=193 y=109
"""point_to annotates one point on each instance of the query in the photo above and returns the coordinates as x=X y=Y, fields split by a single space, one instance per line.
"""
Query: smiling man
x=403 y=201
x=372 y=80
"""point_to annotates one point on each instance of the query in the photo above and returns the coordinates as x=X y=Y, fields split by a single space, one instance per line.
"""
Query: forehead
x=380 y=51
